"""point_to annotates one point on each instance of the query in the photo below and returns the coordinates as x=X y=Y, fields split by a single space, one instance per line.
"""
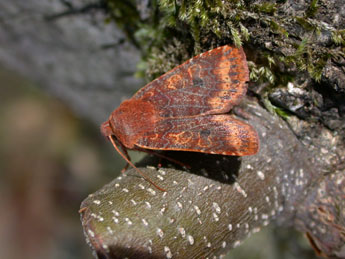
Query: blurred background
x=50 y=161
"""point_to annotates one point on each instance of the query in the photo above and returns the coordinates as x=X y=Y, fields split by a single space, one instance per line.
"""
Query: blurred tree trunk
x=296 y=54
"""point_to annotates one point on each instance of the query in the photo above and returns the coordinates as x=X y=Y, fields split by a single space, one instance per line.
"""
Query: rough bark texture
x=298 y=177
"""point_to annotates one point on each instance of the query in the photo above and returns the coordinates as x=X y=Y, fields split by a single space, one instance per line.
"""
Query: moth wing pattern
x=210 y=83
x=215 y=134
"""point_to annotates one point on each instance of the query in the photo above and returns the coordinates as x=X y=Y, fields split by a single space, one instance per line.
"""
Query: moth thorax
x=132 y=120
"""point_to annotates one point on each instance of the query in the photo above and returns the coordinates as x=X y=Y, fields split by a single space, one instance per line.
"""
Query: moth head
x=106 y=129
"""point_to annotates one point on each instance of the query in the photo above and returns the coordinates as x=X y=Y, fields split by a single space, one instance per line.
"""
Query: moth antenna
x=131 y=164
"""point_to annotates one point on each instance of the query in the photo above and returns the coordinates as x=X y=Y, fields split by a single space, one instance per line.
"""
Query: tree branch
x=210 y=209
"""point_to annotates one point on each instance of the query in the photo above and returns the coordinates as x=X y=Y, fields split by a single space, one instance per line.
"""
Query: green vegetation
x=279 y=45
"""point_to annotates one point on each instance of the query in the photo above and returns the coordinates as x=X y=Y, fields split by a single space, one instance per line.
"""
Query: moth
x=185 y=110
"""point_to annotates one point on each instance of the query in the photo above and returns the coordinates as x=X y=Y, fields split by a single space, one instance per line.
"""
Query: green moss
x=275 y=110
x=266 y=7
x=312 y=9
x=176 y=30
x=338 y=37
x=260 y=73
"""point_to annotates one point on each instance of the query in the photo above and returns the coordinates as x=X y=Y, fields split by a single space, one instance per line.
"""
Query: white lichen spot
x=91 y=233
x=276 y=204
x=110 y=202
x=230 y=227
x=97 y=202
x=267 y=198
x=250 y=209
x=238 y=225
x=125 y=190
x=115 y=213
x=148 y=205
x=105 y=247
x=129 y=222
x=110 y=231
x=141 y=186
x=301 y=173
x=240 y=189
x=224 y=244
x=205 y=188
x=145 y=222
x=197 y=210
x=237 y=243
x=160 y=232
x=246 y=225
x=164 y=194
x=275 y=191
x=182 y=232
x=160 y=177
x=179 y=204
x=174 y=182
x=264 y=216
x=190 y=239
x=151 y=167
x=199 y=220
x=209 y=244
x=151 y=191
x=149 y=248
x=255 y=230
x=161 y=171
x=261 y=175
x=273 y=213
x=133 y=202
x=115 y=219
x=190 y=182
x=219 y=187
x=162 y=210
x=249 y=166
x=266 y=222
x=216 y=207
x=117 y=185
x=183 y=189
x=167 y=252
x=215 y=216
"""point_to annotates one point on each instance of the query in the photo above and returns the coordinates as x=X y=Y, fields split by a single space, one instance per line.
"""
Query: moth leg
x=241 y=113
x=113 y=141
x=124 y=150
